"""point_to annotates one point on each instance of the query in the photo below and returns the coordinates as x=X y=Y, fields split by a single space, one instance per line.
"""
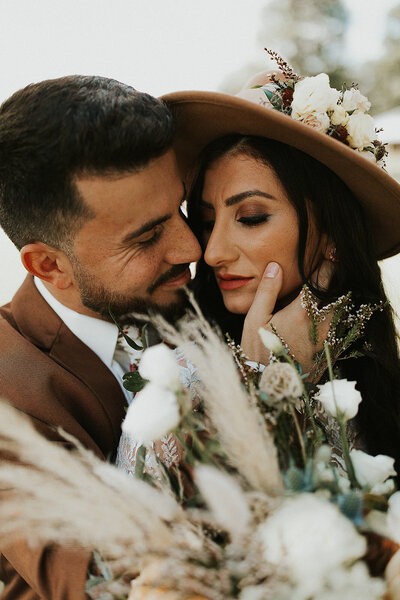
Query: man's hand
x=291 y=323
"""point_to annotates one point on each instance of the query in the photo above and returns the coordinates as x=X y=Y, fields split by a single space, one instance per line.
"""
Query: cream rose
x=158 y=364
x=314 y=94
x=339 y=398
x=153 y=413
x=354 y=100
x=372 y=470
x=339 y=116
x=393 y=517
x=361 y=130
x=270 y=340
x=308 y=538
x=320 y=121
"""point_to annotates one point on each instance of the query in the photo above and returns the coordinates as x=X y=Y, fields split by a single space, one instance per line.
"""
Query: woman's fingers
x=266 y=296
x=292 y=322
x=260 y=313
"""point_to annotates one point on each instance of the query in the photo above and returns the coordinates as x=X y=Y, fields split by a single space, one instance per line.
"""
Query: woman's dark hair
x=337 y=213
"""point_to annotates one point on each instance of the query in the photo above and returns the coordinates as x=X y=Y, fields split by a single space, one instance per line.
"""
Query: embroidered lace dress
x=167 y=448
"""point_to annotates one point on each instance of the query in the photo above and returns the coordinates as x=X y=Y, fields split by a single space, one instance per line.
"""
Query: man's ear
x=47 y=263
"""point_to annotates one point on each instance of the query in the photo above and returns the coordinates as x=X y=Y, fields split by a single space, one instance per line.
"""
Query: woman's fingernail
x=272 y=270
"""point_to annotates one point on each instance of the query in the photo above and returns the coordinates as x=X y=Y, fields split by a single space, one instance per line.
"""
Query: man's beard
x=95 y=296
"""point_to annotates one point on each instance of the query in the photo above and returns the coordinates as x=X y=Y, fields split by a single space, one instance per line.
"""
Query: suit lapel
x=37 y=321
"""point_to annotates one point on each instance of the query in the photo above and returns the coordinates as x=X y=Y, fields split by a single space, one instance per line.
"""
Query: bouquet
x=260 y=506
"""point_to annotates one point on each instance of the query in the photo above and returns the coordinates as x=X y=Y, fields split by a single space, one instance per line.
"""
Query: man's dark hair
x=54 y=131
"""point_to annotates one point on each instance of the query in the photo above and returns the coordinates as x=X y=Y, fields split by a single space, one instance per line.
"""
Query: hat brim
x=201 y=117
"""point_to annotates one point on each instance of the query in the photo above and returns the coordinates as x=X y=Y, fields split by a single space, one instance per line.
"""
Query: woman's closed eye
x=254 y=220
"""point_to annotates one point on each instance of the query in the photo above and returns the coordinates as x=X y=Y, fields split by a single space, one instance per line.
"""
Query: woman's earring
x=332 y=255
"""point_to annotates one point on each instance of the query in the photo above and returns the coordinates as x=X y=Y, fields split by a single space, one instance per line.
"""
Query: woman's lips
x=232 y=283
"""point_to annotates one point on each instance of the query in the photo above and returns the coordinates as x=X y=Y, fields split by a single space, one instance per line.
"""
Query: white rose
x=361 y=130
x=372 y=470
x=270 y=340
x=314 y=94
x=153 y=413
x=339 y=398
x=307 y=538
x=339 y=116
x=158 y=365
x=320 y=121
x=393 y=517
x=354 y=100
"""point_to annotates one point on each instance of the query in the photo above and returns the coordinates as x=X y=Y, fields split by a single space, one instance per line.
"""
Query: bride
x=277 y=202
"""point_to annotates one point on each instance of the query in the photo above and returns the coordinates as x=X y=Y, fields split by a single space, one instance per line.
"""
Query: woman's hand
x=291 y=323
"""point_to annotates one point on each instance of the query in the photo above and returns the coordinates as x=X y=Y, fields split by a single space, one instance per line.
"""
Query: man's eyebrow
x=239 y=197
x=150 y=224
x=145 y=227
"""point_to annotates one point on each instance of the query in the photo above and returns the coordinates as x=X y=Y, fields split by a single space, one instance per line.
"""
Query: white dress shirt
x=100 y=336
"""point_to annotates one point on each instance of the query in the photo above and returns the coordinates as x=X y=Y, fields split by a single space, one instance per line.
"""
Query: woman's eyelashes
x=253 y=220
x=247 y=221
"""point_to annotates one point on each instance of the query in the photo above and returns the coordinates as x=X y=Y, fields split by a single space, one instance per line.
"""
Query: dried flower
x=158 y=365
x=225 y=499
x=270 y=341
x=370 y=470
x=280 y=380
x=339 y=398
x=153 y=413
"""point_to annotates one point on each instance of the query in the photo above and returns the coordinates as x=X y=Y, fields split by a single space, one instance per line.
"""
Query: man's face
x=134 y=254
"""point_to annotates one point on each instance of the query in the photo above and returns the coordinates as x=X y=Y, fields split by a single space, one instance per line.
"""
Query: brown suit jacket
x=48 y=373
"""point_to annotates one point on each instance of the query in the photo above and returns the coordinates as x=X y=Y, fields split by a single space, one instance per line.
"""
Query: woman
x=287 y=196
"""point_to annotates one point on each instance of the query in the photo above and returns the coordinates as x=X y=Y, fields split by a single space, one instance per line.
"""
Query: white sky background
x=155 y=45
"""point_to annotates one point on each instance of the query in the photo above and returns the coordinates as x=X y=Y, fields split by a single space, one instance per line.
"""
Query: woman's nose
x=220 y=248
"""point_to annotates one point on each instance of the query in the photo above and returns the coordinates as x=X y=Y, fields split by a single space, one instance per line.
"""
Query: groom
x=91 y=196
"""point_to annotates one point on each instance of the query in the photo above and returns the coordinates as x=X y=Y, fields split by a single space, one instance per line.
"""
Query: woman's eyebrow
x=239 y=197
x=243 y=195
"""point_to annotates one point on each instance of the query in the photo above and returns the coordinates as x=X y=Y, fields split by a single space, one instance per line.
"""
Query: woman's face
x=248 y=223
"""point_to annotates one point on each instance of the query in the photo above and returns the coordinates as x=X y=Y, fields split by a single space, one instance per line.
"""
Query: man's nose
x=219 y=249
x=184 y=247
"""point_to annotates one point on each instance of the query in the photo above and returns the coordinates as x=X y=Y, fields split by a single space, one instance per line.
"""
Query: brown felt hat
x=202 y=117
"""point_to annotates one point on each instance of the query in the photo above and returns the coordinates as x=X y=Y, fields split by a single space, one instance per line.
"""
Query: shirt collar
x=100 y=336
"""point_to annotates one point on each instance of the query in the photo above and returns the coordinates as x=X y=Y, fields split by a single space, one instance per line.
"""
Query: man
x=90 y=194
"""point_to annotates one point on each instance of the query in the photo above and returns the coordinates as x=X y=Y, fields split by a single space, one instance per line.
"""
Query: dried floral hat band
x=307 y=113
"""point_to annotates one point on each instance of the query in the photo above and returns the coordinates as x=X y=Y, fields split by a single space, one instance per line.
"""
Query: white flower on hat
x=353 y=99
x=314 y=94
x=308 y=538
x=320 y=121
x=270 y=340
x=339 y=116
x=361 y=130
x=339 y=398
x=158 y=364
x=370 y=470
x=153 y=413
